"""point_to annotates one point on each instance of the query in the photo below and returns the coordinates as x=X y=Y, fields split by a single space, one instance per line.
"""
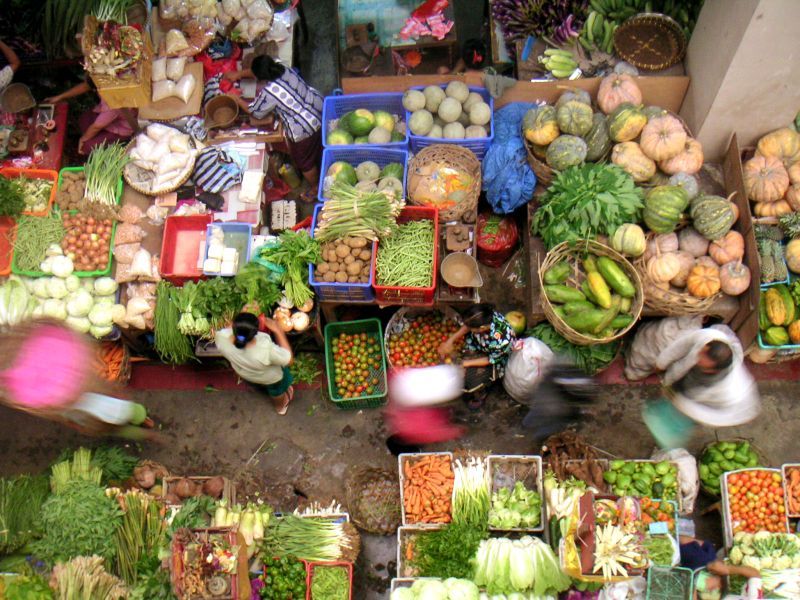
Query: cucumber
x=559 y=310
x=626 y=304
x=562 y=293
x=621 y=321
x=599 y=288
x=588 y=292
x=609 y=315
x=615 y=277
x=585 y=321
x=578 y=305
x=556 y=274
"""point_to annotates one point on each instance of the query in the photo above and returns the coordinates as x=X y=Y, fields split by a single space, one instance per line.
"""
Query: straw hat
x=17 y=98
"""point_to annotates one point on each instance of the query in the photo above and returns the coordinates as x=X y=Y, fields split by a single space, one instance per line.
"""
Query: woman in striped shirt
x=299 y=108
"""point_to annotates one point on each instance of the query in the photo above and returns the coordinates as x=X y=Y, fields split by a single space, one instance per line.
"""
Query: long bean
x=34 y=236
x=329 y=583
x=405 y=259
x=173 y=347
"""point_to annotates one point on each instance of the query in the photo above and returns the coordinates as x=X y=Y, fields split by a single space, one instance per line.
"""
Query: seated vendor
x=101 y=124
x=299 y=108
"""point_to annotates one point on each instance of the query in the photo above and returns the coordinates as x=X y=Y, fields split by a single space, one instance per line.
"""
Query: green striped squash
x=565 y=151
x=663 y=206
x=574 y=117
x=597 y=139
x=626 y=122
x=712 y=216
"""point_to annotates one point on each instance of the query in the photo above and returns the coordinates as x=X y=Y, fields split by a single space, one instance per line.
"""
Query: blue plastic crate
x=335 y=107
x=479 y=146
x=340 y=292
x=358 y=154
x=237 y=235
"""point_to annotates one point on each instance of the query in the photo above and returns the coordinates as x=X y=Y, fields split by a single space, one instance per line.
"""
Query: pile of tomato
x=657 y=511
x=357 y=363
x=755 y=500
x=418 y=345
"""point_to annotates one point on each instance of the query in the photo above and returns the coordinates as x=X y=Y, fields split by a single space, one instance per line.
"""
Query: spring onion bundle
x=470 y=492
x=315 y=540
x=103 y=170
x=405 y=259
x=358 y=213
x=21 y=500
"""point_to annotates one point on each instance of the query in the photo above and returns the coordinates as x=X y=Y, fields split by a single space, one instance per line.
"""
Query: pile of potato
x=70 y=192
x=345 y=261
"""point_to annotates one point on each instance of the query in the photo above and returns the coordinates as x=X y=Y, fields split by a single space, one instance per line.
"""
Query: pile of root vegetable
x=345 y=261
x=568 y=454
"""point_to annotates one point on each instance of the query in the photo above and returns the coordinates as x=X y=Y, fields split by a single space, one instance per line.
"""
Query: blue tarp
x=507 y=177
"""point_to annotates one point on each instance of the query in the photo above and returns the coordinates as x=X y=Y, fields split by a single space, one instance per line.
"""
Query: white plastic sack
x=688 y=477
x=526 y=366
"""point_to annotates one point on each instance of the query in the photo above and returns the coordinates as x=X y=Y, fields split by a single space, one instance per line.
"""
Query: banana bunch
x=603 y=20
x=560 y=63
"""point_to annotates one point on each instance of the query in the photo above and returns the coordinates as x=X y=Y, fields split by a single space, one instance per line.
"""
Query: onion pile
x=87 y=241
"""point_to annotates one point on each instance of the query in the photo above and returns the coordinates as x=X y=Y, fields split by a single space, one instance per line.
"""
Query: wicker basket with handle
x=422 y=170
x=574 y=253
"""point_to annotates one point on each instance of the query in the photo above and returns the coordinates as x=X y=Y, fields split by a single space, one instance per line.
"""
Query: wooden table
x=52 y=158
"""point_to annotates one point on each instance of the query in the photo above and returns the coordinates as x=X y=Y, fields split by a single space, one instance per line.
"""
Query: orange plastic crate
x=13 y=173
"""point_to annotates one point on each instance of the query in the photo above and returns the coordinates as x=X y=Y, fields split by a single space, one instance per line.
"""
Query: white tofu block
x=230 y=255
x=228 y=268
x=215 y=251
x=212 y=265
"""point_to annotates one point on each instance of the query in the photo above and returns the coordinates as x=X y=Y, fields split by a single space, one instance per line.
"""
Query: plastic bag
x=688 y=477
x=130 y=213
x=157 y=214
x=123 y=273
x=163 y=89
x=526 y=366
x=185 y=87
x=175 y=67
x=260 y=10
x=159 y=70
x=175 y=42
x=141 y=264
x=128 y=233
x=124 y=253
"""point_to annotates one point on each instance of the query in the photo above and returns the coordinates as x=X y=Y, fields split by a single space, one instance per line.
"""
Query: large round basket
x=130 y=170
x=544 y=174
x=400 y=320
x=429 y=160
x=373 y=500
x=574 y=253
x=650 y=41
x=671 y=302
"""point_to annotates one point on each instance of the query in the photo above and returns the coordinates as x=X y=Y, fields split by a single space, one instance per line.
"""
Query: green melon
x=565 y=151
x=392 y=170
x=712 y=216
x=357 y=122
x=384 y=119
x=342 y=171
x=597 y=139
x=339 y=137
x=574 y=117
x=663 y=207
x=362 y=139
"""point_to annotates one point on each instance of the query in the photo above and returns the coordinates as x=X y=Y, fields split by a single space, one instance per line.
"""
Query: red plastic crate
x=310 y=575
x=13 y=173
x=8 y=234
x=180 y=248
x=407 y=295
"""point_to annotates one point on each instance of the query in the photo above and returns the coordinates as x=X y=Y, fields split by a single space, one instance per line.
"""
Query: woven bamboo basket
x=763 y=457
x=670 y=302
x=130 y=169
x=574 y=253
x=424 y=165
x=650 y=41
x=544 y=174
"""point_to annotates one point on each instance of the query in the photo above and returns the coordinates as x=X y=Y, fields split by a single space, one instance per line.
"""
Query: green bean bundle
x=172 y=346
x=34 y=236
x=405 y=259
x=358 y=213
x=330 y=583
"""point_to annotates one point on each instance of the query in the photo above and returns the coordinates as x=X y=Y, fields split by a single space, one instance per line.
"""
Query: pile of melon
x=772 y=176
x=362 y=126
x=367 y=176
x=452 y=112
x=647 y=142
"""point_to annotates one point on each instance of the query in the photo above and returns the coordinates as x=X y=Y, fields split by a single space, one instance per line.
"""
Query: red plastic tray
x=409 y=295
x=8 y=234
x=180 y=248
x=13 y=173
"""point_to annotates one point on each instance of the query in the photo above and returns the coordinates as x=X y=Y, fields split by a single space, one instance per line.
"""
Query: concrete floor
x=311 y=451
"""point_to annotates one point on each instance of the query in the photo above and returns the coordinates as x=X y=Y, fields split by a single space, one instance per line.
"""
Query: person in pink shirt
x=101 y=124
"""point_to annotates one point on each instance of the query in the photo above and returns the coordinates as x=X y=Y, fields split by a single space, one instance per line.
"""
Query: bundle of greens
x=586 y=201
x=80 y=468
x=12 y=199
x=141 y=534
x=21 y=500
x=590 y=359
x=115 y=464
x=194 y=513
x=79 y=521
x=305 y=368
x=172 y=346
x=220 y=299
x=193 y=320
x=293 y=253
x=103 y=170
x=310 y=539
x=28 y=587
x=447 y=552
x=358 y=213
x=257 y=286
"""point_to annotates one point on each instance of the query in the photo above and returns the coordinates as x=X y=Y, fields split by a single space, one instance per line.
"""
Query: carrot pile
x=108 y=360
x=428 y=489
x=792 y=483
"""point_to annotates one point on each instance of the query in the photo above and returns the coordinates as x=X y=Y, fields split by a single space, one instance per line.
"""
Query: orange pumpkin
x=730 y=247
x=794 y=172
x=792 y=196
x=703 y=281
x=663 y=137
x=615 y=89
x=633 y=161
x=734 y=278
x=688 y=160
x=783 y=144
x=765 y=179
x=772 y=209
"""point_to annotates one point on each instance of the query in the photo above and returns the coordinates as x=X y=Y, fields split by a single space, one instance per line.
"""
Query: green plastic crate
x=687 y=574
x=369 y=326
x=120 y=183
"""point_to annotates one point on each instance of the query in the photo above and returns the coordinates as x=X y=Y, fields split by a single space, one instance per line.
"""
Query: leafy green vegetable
x=153 y=584
x=515 y=508
x=12 y=199
x=116 y=464
x=293 y=253
x=589 y=359
x=31 y=587
x=305 y=368
x=174 y=347
x=220 y=299
x=21 y=500
x=193 y=320
x=258 y=286
x=194 y=513
x=447 y=552
x=80 y=521
x=585 y=201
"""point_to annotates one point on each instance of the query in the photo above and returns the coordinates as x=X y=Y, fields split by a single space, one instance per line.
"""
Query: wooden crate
x=228 y=490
